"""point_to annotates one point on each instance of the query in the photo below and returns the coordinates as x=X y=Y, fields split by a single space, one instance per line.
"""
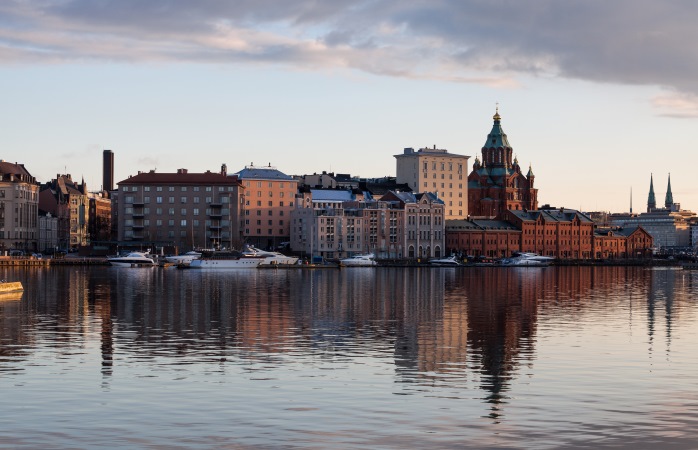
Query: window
x=170 y=222
x=183 y=211
x=183 y=223
x=158 y=199
x=196 y=211
x=183 y=200
x=170 y=211
x=159 y=188
x=183 y=189
x=171 y=199
x=171 y=188
x=197 y=199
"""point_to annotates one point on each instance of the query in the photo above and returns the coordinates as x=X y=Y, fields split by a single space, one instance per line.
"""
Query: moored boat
x=133 y=259
x=365 y=260
x=450 y=261
x=226 y=260
x=270 y=258
x=184 y=259
x=528 y=259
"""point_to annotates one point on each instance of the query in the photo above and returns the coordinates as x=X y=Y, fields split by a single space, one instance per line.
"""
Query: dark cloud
x=623 y=41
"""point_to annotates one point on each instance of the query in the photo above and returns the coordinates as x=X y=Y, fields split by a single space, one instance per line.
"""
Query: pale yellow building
x=437 y=171
x=19 y=208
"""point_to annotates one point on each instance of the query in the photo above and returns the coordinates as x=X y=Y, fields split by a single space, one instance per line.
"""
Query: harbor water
x=556 y=357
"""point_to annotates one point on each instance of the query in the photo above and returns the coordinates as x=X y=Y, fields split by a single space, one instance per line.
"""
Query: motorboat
x=133 y=259
x=528 y=259
x=226 y=260
x=450 y=261
x=270 y=258
x=184 y=259
x=365 y=260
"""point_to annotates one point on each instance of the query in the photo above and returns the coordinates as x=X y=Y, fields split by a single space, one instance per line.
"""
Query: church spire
x=651 y=201
x=669 y=199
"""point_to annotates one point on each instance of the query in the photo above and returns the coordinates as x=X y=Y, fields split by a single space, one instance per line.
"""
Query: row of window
x=434 y=165
x=182 y=211
x=182 y=223
x=130 y=199
x=172 y=188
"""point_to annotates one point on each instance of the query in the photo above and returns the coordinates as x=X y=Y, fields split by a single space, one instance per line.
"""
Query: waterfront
x=381 y=358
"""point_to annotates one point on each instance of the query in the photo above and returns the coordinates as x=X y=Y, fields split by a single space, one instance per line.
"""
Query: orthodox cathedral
x=497 y=183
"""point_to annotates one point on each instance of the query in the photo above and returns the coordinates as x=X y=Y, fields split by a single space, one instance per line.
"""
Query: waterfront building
x=482 y=238
x=561 y=233
x=269 y=201
x=67 y=200
x=670 y=226
x=186 y=210
x=19 y=208
x=48 y=232
x=497 y=183
x=614 y=243
x=99 y=216
x=437 y=171
x=338 y=224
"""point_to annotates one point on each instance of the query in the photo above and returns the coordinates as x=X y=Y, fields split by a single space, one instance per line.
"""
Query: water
x=379 y=358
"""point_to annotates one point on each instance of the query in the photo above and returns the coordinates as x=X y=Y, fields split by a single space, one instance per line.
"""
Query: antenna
x=631 y=199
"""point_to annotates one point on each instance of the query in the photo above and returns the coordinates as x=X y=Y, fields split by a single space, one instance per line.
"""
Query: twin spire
x=651 y=199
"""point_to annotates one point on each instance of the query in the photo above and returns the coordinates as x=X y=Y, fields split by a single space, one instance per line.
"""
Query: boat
x=270 y=258
x=226 y=259
x=365 y=260
x=528 y=259
x=133 y=259
x=184 y=259
x=450 y=261
x=11 y=290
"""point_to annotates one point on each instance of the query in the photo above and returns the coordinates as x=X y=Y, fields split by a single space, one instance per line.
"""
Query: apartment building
x=269 y=200
x=67 y=200
x=438 y=171
x=19 y=208
x=338 y=224
x=182 y=209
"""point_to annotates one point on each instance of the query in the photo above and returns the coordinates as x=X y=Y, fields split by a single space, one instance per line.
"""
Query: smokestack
x=108 y=170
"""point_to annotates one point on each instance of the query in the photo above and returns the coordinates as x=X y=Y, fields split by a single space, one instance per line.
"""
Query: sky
x=596 y=96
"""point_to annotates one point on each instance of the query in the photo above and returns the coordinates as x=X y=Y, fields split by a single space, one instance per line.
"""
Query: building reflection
x=458 y=328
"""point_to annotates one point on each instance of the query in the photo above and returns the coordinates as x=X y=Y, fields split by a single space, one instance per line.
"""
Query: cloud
x=490 y=42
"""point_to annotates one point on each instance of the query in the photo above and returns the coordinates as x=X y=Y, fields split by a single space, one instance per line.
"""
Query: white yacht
x=365 y=260
x=184 y=259
x=133 y=259
x=450 y=261
x=226 y=260
x=270 y=258
x=528 y=259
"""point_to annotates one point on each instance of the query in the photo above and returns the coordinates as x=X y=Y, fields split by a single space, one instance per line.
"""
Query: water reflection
x=444 y=333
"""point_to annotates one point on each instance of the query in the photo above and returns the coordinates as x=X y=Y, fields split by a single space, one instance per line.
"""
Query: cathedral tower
x=496 y=183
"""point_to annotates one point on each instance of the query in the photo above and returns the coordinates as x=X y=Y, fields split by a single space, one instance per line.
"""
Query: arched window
x=411 y=251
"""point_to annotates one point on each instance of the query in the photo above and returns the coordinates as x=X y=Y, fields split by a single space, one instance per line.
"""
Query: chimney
x=224 y=169
x=108 y=170
x=181 y=170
